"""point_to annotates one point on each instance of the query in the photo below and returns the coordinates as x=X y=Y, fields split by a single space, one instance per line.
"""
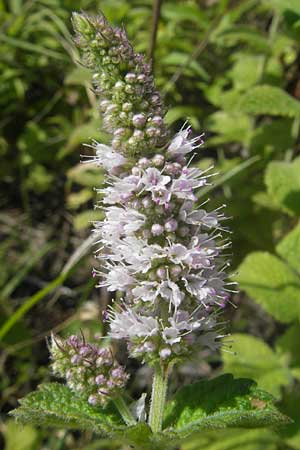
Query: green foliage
x=221 y=402
x=19 y=437
x=283 y=185
x=272 y=284
x=238 y=439
x=269 y=100
x=218 y=403
x=288 y=248
x=56 y=405
x=253 y=358
x=288 y=345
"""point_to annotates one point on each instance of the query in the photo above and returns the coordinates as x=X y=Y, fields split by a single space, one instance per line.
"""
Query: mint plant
x=164 y=253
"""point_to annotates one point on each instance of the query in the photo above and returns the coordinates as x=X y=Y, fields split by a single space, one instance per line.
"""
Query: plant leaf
x=283 y=5
x=272 y=284
x=219 y=403
x=291 y=406
x=289 y=345
x=55 y=405
x=283 y=183
x=253 y=358
x=269 y=100
x=289 y=248
x=234 y=439
x=21 y=437
x=250 y=36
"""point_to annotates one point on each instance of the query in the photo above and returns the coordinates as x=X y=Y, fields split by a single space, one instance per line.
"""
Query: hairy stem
x=158 y=398
x=124 y=411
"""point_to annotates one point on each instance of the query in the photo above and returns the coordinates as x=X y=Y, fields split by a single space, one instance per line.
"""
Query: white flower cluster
x=162 y=251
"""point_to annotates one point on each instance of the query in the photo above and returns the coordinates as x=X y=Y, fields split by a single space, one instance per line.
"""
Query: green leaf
x=77 y=199
x=55 y=405
x=250 y=36
x=283 y=184
x=253 y=358
x=272 y=137
x=180 y=12
x=85 y=219
x=283 y=5
x=180 y=60
x=291 y=406
x=269 y=100
x=289 y=345
x=234 y=439
x=219 y=403
x=230 y=127
x=289 y=248
x=86 y=175
x=246 y=70
x=272 y=284
x=20 y=437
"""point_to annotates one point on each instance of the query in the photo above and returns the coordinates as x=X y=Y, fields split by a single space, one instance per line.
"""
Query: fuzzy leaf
x=55 y=405
x=253 y=358
x=289 y=248
x=272 y=284
x=269 y=100
x=283 y=183
x=219 y=403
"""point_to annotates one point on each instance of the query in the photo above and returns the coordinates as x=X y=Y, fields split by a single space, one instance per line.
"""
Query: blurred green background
x=232 y=69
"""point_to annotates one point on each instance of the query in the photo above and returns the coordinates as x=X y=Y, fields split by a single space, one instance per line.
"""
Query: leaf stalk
x=124 y=411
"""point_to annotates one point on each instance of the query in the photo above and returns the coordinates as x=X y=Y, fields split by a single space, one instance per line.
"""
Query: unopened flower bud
x=157 y=229
x=104 y=105
x=165 y=353
x=136 y=171
x=147 y=202
x=120 y=85
x=100 y=380
x=150 y=131
x=138 y=134
x=158 y=160
x=161 y=273
x=175 y=271
x=127 y=106
x=130 y=77
x=144 y=163
x=171 y=225
x=139 y=120
x=93 y=400
x=157 y=120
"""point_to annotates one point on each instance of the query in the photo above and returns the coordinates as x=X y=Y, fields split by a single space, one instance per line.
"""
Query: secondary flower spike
x=160 y=248
x=89 y=370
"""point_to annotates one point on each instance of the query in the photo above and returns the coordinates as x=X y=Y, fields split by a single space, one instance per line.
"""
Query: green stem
x=158 y=398
x=124 y=411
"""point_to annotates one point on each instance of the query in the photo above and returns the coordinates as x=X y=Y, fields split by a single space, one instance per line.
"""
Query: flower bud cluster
x=131 y=106
x=160 y=248
x=88 y=369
